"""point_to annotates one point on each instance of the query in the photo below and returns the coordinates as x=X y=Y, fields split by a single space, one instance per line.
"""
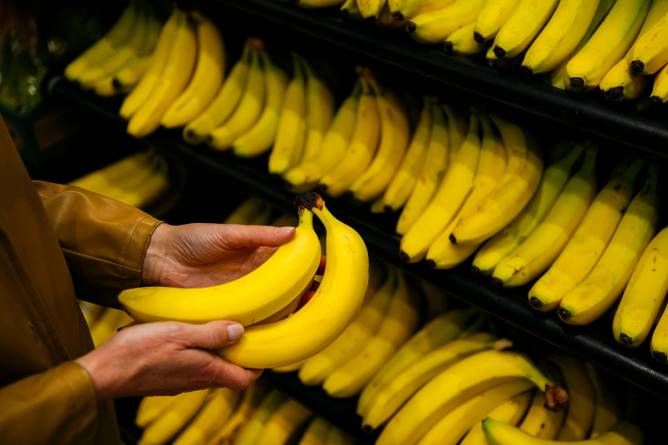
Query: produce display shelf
x=645 y=130
x=593 y=343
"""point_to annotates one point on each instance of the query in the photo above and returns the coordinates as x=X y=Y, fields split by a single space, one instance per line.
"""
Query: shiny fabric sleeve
x=104 y=241
x=57 y=406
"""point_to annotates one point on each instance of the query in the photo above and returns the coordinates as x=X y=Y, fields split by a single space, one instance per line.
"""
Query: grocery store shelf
x=620 y=123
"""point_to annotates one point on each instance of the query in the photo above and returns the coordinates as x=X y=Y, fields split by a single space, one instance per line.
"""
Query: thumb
x=213 y=335
x=254 y=236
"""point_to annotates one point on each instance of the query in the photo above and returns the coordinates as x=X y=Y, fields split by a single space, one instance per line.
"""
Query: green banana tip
x=556 y=397
x=309 y=201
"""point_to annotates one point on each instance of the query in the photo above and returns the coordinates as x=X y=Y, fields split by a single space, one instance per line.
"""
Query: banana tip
x=476 y=271
x=410 y=27
x=499 y=52
x=556 y=397
x=564 y=314
x=398 y=16
x=535 y=303
x=496 y=282
x=448 y=47
x=404 y=256
x=431 y=264
x=660 y=357
x=577 y=83
x=614 y=94
x=478 y=37
x=637 y=67
x=452 y=238
x=625 y=340
x=309 y=201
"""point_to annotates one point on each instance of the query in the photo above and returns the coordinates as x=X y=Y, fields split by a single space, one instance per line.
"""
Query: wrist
x=156 y=254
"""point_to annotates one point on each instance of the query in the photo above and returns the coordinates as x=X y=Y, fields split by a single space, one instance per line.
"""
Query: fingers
x=242 y=237
x=213 y=335
x=218 y=372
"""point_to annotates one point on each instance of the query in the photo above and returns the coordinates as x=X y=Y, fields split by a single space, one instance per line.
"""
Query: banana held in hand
x=322 y=319
x=249 y=299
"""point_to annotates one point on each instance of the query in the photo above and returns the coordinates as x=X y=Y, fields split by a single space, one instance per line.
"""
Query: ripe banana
x=215 y=412
x=316 y=432
x=535 y=254
x=457 y=384
x=491 y=18
x=540 y=421
x=453 y=190
x=398 y=324
x=389 y=397
x=650 y=51
x=606 y=411
x=580 y=413
x=248 y=299
x=370 y=8
x=90 y=311
x=337 y=437
x=289 y=143
x=225 y=102
x=248 y=404
x=129 y=74
x=604 y=284
x=251 y=431
x=260 y=137
x=660 y=87
x=434 y=334
x=500 y=433
x=403 y=9
x=518 y=184
x=436 y=26
x=353 y=339
x=350 y=8
x=560 y=36
x=363 y=145
x=150 y=409
x=525 y=22
x=206 y=80
x=283 y=423
x=450 y=429
x=249 y=108
x=177 y=415
x=444 y=254
x=463 y=42
x=325 y=316
x=105 y=326
x=644 y=295
x=608 y=44
x=433 y=168
x=589 y=240
x=511 y=412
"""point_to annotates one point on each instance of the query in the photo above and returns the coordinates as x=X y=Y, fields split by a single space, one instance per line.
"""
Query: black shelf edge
x=593 y=343
x=587 y=113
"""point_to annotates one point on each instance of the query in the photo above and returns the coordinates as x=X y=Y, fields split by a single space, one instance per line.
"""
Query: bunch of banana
x=137 y=180
x=116 y=61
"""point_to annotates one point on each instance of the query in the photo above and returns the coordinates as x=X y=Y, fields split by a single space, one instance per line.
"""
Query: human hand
x=166 y=358
x=200 y=255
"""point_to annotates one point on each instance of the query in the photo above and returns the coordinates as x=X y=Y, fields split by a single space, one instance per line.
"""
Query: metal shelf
x=646 y=131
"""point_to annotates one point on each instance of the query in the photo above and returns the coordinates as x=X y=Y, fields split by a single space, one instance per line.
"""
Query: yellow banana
x=107 y=325
x=526 y=21
x=350 y=8
x=535 y=254
x=589 y=240
x=540 y=421
x=150 y=409
x=283 y=423
x=606 y=411
x=403 y=9
x=337 y=437
x=177 y=415
x=581 y=404
x=650 y=51
x=660 y=87
x=211 y=416
x=491 y=18
x=463 y=42
x=644 y=295
x=500 y=433
x=604 y=284
x=90 y=311
x=316 y=433
x=248 y=404
x=608 y=44
x=511 y=411
x=456 y=384
x=129 y=74
x=282 y=342
x=248 y=299
x=452 y=191
x=251 y=431
x=436 y=26
x=150 y=189
x=370 y=8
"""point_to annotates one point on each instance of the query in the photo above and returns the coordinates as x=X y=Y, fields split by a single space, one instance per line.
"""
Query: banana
x=526 y=21
x=251 y=431
x=535 y=254
x=370 y=8
x=452 y=191
x=353 y=339
x=660 y=87
x=149 y=190
x=283 y=423
x=444 y=254
x=580 y=413
x=608 y=44
x=650 y=51
x=457 y=384
x=316 y=432
x=604 y=284
x=141 y=93
x=350 y=8
x=325 y=316
x=363 y=145
x=606 y=411
x=107 y=325
x=337 y=437
x=500 y=433
x=540 y=421
x=436 y=26
x=403 y=9
x=560 y=36
x=401 y=185
x=172 y=80
x=394 y=137
x=289 y=143
x=463 y=42
x=249 y=108
x=248 y=299
x=106 y=46
x=129 y=74
x=225 y=102
x=491 y=18
x=90 y=311
x=511 y=411
x=434 y=334
x=450 y=429
x=318 y=3
x=659 y=343
x=433 y=168
x=214 y=413
x=100 y=180
x=389 y=398
x=177 y=415
x=244 y=212
x=248 y=404
x=589 y=240
x=397 y=326
x=336 y=140
x=524 y=168
x=206 y=80
x=644 y=295
x=150 y=409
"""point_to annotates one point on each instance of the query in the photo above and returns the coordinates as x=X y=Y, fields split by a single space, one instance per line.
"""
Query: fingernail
x=287 y=229
x=234 y=331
